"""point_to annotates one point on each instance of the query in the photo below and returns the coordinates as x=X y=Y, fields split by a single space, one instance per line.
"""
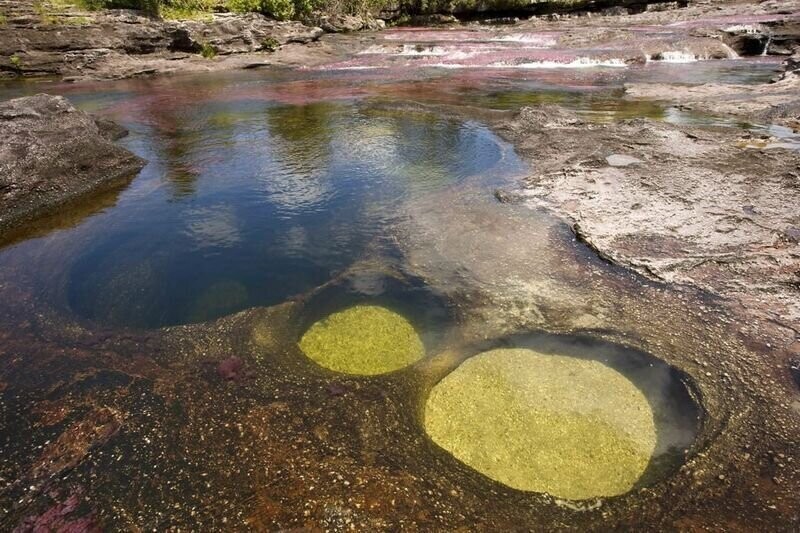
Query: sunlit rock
x=364 y=340
x=571 y=427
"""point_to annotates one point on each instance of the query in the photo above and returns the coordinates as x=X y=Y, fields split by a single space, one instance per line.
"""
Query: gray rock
x=622 y=160
x=345 y=23
x=51 y=153
x=29 y=48
x=239 y=33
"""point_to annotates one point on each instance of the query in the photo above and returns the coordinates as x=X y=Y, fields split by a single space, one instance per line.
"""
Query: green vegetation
x=365 y=340
x=16 y=62
x=300 y=9
x=571 y=427
x=270 y=44
x=208 y=51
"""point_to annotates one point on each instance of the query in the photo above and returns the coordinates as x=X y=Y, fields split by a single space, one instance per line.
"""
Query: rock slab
x=52 y=153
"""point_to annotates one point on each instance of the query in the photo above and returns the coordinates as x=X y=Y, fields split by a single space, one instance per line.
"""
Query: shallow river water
x=305 y=194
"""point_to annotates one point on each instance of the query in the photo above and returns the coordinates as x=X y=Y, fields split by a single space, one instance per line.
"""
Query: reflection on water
x=274 y=198
x=276 y=181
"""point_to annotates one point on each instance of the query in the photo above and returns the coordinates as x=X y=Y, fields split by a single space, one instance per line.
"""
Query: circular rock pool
x=574 y=418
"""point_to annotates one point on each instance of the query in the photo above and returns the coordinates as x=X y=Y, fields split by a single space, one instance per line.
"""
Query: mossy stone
x=570 y=427
x=363 y=339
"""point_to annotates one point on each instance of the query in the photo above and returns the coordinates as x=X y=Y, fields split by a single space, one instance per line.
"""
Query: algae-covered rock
x=571 y=427
x=363 y=339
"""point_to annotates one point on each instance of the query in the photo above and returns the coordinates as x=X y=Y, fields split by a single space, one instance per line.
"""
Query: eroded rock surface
x=52 y=153
x=777 y=102
x=55 y=40
x=702 y=206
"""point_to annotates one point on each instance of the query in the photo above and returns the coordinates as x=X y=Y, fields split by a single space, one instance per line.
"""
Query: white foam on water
x=424 y=51
x=746 y=28
x=675 y=56
x=731 y=52
x=377 y=49
x=581 y=62
x=356 y=67
x=447 y=65
x=527 y=38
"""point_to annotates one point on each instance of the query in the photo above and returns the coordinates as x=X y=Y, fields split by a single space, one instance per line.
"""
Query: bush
x=279 y=9
x=150 y=6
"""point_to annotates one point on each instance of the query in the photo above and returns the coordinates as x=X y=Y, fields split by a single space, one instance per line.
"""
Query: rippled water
x=248 y=201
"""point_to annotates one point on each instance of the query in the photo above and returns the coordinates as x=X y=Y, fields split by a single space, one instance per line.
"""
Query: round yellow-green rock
x=570 y=427
x=365 y=340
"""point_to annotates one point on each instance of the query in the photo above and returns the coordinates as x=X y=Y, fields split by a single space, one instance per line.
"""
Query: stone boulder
x=30 y=48
x=338 y=23
x=239 y=33
x=52 y=153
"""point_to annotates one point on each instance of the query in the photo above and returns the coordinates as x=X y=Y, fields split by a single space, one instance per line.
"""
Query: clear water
x=247 y=202
x=260 y=186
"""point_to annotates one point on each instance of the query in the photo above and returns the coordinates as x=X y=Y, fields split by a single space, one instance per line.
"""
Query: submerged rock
x=231 y=369
x=52 y=153
x=571 y=427
x=364 y=340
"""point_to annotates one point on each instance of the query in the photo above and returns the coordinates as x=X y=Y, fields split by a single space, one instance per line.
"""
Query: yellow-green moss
x=364 y=340
x=574 y=428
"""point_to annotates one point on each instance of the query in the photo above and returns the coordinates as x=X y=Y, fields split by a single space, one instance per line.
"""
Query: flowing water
x=279 y=186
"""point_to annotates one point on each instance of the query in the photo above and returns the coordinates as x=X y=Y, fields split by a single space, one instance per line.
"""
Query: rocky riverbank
x=711 y=207
x=51 y=154
x=38 y=41
x=41 y=38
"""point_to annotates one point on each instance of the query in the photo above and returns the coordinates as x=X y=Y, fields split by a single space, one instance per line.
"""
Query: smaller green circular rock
x=363 y=339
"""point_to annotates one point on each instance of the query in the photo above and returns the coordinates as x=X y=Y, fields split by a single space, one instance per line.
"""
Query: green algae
x=364 y=340
x=570 y=427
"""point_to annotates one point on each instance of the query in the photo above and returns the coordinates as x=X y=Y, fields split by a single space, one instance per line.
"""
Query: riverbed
x=153 y=375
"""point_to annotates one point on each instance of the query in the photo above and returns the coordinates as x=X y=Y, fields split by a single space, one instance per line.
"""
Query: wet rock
x=507 y=197
x=363 y=340
x=116 y=43
x=747 y=39
x=500 y=20
x=543 y=117
x=774 y=102
x=790 y=66
x=63 y=516
x=433 y=20
x=669 y=219
x=794 y=368
x=238 y=33
x=345 y=23
x=336 y=388
x=72 y=446
x=51 y=153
